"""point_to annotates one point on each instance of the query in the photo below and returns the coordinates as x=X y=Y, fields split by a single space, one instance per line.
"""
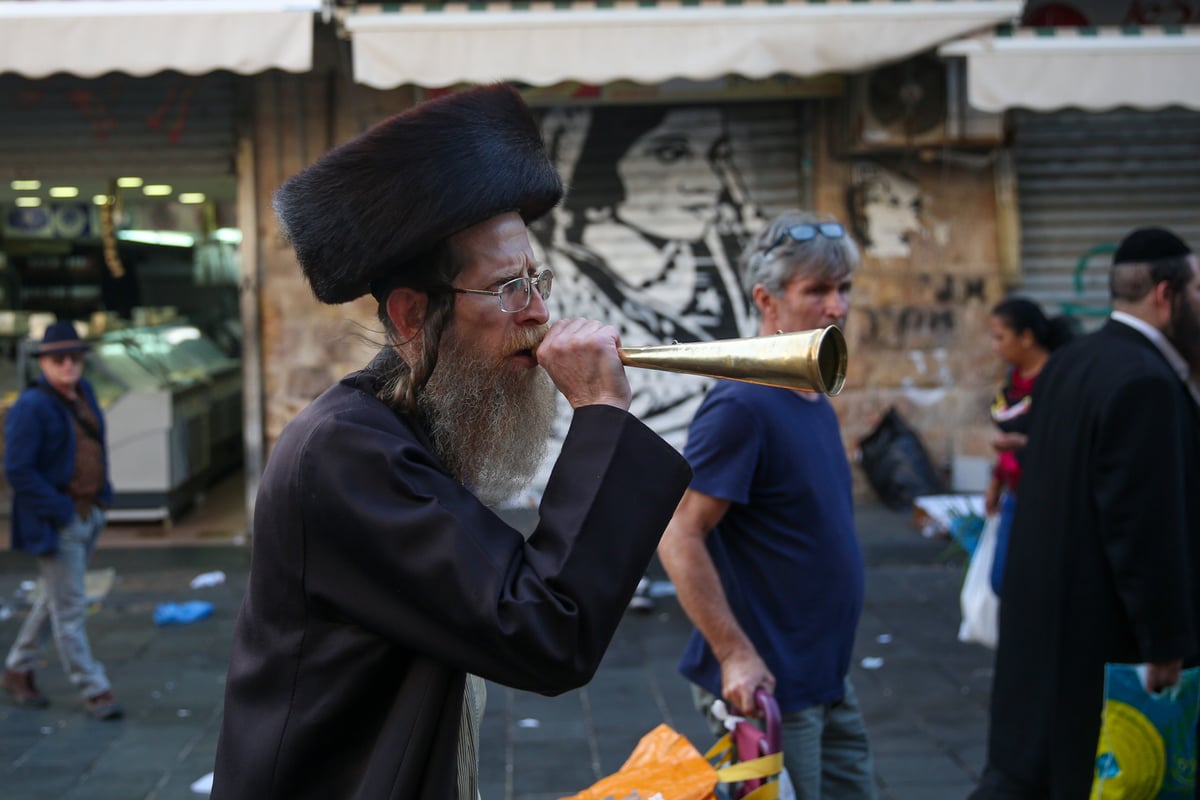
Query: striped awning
x=143 y=37
x=648 y=41
x=1094 y=69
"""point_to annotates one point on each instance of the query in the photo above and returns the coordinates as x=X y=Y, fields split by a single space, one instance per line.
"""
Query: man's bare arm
x=690 y=567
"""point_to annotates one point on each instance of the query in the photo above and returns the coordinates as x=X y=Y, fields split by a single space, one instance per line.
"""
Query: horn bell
x=811 y=361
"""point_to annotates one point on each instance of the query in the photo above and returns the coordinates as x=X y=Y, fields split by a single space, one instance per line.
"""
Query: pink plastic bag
x=751 y=742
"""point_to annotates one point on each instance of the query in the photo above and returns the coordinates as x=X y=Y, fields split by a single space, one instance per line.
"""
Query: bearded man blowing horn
x=381 y=584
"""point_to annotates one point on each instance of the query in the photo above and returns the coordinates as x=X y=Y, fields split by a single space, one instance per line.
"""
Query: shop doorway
x=118 y=212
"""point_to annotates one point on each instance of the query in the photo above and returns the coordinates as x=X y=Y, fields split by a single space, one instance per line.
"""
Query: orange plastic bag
x=664 y=762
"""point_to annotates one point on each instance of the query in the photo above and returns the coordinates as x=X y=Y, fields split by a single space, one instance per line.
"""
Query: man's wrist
x=735 y=651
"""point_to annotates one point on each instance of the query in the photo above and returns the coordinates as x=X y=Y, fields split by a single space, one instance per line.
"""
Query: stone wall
x=918 y=330
x=306 y=346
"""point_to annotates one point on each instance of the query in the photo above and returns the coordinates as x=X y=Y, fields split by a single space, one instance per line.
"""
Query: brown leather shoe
x=104 y=706
x=19 y=684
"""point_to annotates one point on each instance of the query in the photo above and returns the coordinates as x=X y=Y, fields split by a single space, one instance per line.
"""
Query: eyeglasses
x=59 y=358
x=515 y=295
x=806 y=232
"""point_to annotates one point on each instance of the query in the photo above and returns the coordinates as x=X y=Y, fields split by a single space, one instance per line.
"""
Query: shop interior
x=147 y=269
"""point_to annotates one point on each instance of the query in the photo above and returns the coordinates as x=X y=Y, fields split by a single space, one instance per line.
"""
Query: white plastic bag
x=980 y=605
x=786 y=790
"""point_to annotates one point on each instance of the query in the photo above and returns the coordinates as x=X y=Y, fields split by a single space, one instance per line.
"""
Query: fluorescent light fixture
x=157 y=190
x=129 y=183
x=25 y=186
x=28 y=202
x=64 y=191
x=165 y=238
x=100 y=199
x=228 y=235
x=191 y=198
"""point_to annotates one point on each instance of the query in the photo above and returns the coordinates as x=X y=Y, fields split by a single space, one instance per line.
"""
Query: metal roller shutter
x=164 y=125
x=653 y=189
x=1085 y=180
x=661 y=200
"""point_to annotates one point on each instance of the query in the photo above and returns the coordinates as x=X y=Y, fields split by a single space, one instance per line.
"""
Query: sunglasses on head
x=59 y=358
x=806 y=232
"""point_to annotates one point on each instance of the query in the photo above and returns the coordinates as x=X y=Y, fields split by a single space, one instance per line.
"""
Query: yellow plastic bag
x=752 y=779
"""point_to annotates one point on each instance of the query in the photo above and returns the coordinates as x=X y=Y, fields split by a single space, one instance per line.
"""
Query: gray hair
x=774 y=266
x=1130 y=281
x=404 y=381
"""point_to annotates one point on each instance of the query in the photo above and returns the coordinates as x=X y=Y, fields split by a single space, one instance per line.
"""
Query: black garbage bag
x=897 y=464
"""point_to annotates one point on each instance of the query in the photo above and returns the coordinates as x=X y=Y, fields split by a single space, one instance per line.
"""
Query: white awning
x=143 y=37
x=649 y=41
x=1094 y=69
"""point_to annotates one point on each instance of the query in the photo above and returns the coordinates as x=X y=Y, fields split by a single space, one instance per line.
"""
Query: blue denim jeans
x=825 y=748
x=64 y=603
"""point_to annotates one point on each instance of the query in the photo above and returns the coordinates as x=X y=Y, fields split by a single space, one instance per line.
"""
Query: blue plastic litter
x=181 y=613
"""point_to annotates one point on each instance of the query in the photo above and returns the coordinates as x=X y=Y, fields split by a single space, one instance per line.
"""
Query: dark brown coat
x=378 y=582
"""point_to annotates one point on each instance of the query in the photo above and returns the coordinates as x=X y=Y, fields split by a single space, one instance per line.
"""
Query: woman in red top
x=1023 y=337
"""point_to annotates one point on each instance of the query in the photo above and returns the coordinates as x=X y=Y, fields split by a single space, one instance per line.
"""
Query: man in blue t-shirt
x=776 y=590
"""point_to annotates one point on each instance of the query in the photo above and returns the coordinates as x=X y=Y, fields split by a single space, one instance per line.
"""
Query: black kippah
x=1149 y=244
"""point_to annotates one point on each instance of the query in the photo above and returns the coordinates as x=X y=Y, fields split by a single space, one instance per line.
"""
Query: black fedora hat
x=61 y=337
x=364 y=213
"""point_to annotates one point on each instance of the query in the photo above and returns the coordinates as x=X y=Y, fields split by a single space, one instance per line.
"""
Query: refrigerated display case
x=185 y=354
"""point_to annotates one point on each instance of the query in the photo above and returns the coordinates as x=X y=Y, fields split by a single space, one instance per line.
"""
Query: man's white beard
x=490 y=425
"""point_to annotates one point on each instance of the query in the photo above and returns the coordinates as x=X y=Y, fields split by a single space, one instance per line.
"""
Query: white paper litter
x=203 y=785
x=208 y=579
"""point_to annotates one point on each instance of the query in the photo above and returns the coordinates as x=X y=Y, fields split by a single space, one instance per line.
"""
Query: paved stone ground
x=170 y=680
x=925 y=706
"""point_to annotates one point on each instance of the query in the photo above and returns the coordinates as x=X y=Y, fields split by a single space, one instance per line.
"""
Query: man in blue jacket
x=56 y=462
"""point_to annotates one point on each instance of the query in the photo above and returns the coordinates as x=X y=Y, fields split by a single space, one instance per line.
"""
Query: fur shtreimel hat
x=1149 y=244
x=367 y=209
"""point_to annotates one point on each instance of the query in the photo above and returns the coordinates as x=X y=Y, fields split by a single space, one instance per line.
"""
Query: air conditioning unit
x=913 y=104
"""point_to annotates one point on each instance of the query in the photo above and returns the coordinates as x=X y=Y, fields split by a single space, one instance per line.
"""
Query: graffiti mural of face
x=888 y=207
x=671 y=189
x=644 y=241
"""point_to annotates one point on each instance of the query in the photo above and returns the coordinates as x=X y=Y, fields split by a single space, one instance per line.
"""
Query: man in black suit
x=1104 y=560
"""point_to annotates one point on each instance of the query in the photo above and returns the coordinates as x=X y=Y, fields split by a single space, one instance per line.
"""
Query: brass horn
x=811 y=361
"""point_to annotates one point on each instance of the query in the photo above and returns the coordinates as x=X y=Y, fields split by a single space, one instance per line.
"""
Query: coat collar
x=1158 y=339
x=371 y=379
x=1131 y=327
